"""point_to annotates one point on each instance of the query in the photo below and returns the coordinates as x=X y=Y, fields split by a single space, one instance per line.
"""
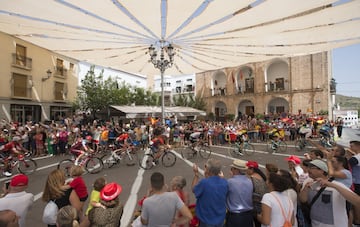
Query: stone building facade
x=282 y=85
x=36 y=84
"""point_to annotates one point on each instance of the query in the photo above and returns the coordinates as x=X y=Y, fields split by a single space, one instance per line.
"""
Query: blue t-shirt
x=210 y=196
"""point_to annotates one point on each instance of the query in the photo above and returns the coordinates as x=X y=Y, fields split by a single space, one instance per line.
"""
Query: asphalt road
x=135 y=181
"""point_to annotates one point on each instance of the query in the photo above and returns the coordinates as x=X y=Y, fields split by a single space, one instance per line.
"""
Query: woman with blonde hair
x=60 y=193
x=67 y=217
x=177 y=185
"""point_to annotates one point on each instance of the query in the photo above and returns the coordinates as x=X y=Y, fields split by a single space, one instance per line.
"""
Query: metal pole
x=162 y=98
x=162 y=71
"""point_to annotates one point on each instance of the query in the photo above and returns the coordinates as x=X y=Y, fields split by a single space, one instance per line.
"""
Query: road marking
x=130 y=204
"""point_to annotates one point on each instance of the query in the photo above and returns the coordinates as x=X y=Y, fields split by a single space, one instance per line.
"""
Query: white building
x=174 y=86
x=350 y=117
x=121 y=76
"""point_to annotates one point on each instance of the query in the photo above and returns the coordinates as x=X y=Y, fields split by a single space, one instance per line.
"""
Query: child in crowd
x=95 y=194
x=78 y=183
x=177 y=185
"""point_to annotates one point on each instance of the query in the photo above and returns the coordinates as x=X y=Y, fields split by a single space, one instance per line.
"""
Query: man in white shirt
x=329 y=209
x=17 y=199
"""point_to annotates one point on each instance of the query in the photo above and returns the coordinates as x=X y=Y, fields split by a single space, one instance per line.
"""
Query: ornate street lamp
x=162 y=64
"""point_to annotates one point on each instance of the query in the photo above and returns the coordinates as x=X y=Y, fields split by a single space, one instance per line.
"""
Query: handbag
x=256 y=197
x=50 y=213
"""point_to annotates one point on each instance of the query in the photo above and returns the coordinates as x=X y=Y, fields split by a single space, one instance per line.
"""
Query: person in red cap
x=17 y=199
x=111 y=215
x=258 y=179
x=294 y=166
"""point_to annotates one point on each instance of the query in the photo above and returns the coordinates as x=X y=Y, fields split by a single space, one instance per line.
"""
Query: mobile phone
x=7 y=184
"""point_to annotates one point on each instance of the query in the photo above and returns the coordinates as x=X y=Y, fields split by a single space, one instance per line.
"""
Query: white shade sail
x=206 y=34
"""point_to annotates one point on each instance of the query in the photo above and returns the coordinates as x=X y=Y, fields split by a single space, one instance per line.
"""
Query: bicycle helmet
x=88 y=138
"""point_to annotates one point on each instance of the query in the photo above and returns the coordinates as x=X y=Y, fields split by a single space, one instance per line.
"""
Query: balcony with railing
x=279 y=85
x=21 y=61
x=60 y=71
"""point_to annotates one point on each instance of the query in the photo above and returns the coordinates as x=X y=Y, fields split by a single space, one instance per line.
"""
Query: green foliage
x=96 y=94
x=259 y=116
x=189 y=100
x=197 y=103
x=323 y=112
x=211 y=116
x=230 y=117
x=180 y=100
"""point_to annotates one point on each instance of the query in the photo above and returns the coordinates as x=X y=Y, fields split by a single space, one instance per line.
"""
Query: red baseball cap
x=293 y=158
x=110 y=191
x=252 y=164
x=19 y=180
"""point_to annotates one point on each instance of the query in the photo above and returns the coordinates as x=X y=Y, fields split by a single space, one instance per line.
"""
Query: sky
x=346 y=70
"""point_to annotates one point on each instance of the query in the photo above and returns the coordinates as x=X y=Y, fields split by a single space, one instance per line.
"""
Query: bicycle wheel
x=248 y=149
x=108 y=160
x=168 y=159
x=300 y=145
x=204 y=151
x=65 y=165
x=27 y=166
x=147 y=161
x=282 y=146
x=269 y=146
x=234 y=151
x=130 y=158
x=94 y=165
x=187 y=152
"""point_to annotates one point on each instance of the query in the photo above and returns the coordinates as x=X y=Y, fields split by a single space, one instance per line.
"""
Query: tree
x=180 y=100
x=90 y=95
x=189 y=100
x=197 y=103
x=96 y=94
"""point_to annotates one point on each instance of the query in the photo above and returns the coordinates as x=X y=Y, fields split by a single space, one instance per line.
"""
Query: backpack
x=287 y=222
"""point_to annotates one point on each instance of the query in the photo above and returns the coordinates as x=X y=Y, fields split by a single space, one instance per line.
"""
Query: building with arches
x=280 y=85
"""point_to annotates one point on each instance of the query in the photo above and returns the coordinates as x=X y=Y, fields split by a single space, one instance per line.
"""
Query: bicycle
x=90 y=162
x=192 y=148
x=276 y=146
x=168 y=158
x=241 y=146
x=128 y=155
x=23 y=164
x=326 y=142
x=302 y=144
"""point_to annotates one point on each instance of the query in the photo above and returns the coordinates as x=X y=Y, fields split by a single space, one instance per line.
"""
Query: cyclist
x=7 y=151
x=157 y=147
x=274 y=134
x=306 y=129
x=124 y=140
x=326 y=131
x=80 y=148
